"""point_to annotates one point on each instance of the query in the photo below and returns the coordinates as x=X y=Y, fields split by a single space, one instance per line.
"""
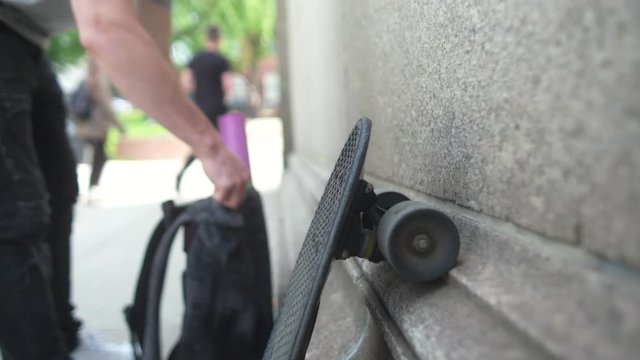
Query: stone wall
x=521 y=120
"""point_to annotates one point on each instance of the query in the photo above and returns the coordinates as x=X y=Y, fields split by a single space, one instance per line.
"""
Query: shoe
x=95 y=195
x=94 y=347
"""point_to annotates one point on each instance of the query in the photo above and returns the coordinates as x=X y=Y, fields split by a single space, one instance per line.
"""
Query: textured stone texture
x=344 y=328
x=521 y=120
x=513 y=295
x=575 y=305
x=526 y=111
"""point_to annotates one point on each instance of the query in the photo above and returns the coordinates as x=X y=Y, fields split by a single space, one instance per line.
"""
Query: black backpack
x=227 y=283
x=81 y=103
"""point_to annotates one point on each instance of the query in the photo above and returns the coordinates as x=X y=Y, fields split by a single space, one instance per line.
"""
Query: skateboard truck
x=419 y=242
x=352 y=220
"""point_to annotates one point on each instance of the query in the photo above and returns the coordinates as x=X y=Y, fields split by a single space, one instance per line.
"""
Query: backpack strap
x=136 y=313
x=151 y=334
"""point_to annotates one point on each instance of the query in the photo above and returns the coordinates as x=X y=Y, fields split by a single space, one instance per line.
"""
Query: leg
x=59 y=247
x=188 y=162
x=29 y=326
x=59 y=170
x=99 y=160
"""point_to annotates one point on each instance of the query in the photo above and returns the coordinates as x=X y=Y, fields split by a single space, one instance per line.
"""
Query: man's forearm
x=227 y=84
x=115 y=38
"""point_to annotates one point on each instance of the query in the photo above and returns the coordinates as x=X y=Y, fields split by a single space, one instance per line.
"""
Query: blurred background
x=114 y=220
x=248 y=43
x=518 y=119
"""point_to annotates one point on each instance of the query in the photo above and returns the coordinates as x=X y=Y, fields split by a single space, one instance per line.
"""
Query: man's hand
x=228 y=174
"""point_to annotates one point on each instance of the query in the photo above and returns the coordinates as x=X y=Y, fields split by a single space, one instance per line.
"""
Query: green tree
x=65 y=49
x=248 y=28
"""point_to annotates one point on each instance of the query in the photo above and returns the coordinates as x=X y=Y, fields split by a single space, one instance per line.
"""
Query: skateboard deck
x=352 y=220
x=292 y=329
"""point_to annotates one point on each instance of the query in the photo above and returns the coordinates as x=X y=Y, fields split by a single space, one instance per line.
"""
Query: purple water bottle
x=232 y=130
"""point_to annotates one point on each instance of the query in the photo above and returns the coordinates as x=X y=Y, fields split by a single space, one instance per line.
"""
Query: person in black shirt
x=209 y=80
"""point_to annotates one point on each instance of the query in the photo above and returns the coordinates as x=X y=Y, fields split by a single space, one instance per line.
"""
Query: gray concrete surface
x=526 y=111
x=109 y=244
x=346 y=329
x=519 y=119
x=513 y=295
x=565 y=301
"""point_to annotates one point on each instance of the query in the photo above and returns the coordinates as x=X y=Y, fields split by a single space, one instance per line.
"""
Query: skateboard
x=352 y=220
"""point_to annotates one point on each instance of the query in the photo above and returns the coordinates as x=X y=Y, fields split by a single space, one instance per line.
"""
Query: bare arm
x=187 y=80
x=113 y=35
x=227 y=83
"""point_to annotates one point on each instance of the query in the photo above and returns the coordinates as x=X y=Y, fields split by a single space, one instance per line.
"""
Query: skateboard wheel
x=387 y=199
x=417 y=241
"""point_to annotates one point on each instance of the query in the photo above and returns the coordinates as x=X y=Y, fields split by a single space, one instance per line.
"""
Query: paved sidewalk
x=111 y=231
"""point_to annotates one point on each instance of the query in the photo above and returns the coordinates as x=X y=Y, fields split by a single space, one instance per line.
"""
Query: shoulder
x=220 y=57
x=221 y=60
x=200 y=55
x=198 y=58
x=164 y=2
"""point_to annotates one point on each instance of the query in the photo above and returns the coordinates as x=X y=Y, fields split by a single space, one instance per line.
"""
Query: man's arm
x=187 y=80
x=227 y=83
x=115 y=37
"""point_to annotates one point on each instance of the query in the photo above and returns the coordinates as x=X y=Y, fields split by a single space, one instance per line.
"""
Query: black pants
x=99 y=160
x=37 y=191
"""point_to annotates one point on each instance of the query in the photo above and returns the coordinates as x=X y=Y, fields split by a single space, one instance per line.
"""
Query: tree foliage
x=248 y=29
x=65 y=49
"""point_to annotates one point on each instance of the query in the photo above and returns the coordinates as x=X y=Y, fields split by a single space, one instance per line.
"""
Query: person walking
x=101 y=118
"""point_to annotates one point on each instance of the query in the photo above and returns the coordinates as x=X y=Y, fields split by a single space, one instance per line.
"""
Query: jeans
x=99 y=160
x=28 y=321
x=38 y=188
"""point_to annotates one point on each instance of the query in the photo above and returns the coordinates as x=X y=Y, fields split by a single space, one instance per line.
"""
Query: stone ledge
x=344 y=328
x=539 y=298
x=441 y=320
x=576 y=305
